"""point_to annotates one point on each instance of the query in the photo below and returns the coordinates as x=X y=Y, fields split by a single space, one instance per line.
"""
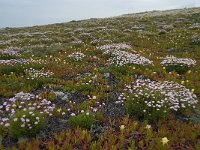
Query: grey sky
x=15 y=13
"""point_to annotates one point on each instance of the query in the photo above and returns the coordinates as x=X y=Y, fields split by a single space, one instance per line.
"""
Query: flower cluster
x=13 y=51
x=77 y=56
x=173 y=95
x=15 y=61
x=122 y=57
x=25 y=121
x=171 y=60
x=38 y=73
x=23 y=96
x=24 y=102
x=112 y=47
x=195 y=26
x=9 y=41
x=21 y=61
x=77 y=42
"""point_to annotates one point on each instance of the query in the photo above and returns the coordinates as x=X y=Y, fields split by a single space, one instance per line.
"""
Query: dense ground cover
x=128 y=82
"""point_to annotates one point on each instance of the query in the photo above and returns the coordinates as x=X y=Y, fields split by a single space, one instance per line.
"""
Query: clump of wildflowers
x=152 y=98
x=12 y=51
x=21 y=61
x=34 y=74
x=121 y=57
x=25 y=124
x=24 y=102
x=77 y=56
x=171 y=60
x=180 y=65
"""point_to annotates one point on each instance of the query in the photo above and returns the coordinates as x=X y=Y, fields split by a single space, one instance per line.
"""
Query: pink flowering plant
x=120 y=57
x=77 y=56
x=153 y=100
x=25 y=124
x=27 y=105
x=179 y=65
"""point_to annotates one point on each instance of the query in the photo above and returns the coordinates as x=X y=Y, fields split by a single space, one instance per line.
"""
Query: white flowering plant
x=24 y=103
x=153 y=100
x=120 y=57
x=24 y=124
x=35 y=74
x=179 y=65
x=77 y=56
x=147 y=106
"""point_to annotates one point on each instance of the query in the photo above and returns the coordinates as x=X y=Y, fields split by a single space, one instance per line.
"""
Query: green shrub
x=23 y=124
x=36 y=83
x=19 y=69
x=7 y=57
x=52 y=96
x=83 y=121
x=85 y=88
x=136 y=106
x=70 y=86
x=180 y=69
x=196 y=117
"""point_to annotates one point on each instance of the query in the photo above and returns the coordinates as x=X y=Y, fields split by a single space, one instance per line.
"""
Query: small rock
x=59 y=94
x=106 y=75
x=65 y=98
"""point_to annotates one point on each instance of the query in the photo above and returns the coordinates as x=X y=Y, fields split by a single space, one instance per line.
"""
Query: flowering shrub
x=14 y=61
x=180 y=65
x=13 y=51
x=85 y=120
x=78 y=56
x=147 y=106
x=110 y=47
x=9 y=41
x=25 y=124
x=34 y=74
x=23 y=102
x=148 y=99
x=20 y=61
x=120 y=57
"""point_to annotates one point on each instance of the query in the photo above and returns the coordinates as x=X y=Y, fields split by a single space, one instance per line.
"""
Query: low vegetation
x=128 y=82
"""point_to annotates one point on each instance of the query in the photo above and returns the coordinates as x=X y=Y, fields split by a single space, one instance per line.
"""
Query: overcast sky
x=17 y=13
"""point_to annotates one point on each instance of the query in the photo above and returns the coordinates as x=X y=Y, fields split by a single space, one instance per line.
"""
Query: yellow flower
x=164 y=140
x=148 y=126
x=189 y=71
x=182 y=82
x=59 y=110
x=122 y=127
